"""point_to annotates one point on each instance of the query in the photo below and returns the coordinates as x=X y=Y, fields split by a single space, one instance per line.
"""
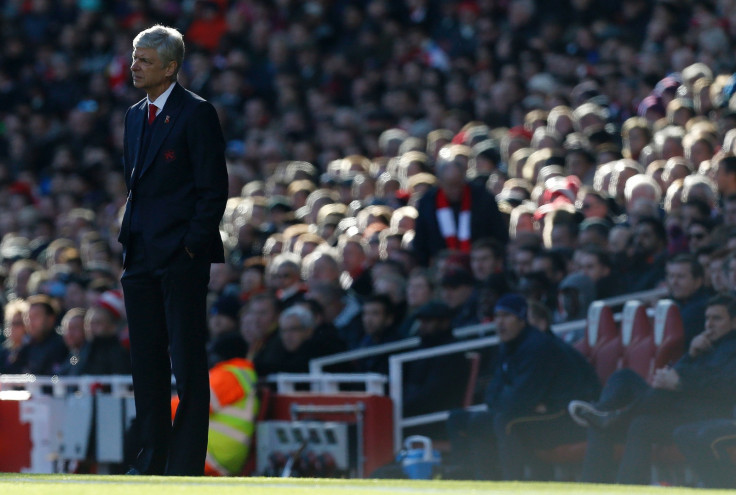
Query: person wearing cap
x=437 y=383
x=457 y=289
x=535 y=376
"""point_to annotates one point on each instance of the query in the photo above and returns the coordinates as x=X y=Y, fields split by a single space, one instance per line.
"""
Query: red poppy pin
x=169 y=155
x=166 y=121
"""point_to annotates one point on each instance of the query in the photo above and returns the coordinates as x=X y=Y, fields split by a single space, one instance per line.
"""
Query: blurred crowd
x=574 y=145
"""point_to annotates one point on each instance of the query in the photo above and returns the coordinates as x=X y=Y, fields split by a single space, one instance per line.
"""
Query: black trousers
x=705 y=444
x=499 y=446
x=167 y=323
x=652 y=417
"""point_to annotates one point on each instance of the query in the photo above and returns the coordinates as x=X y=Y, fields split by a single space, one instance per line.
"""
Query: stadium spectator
x=72 y=330
x=457 y=290
x=455 y=214
x=341 y=309
x=687 y=288
x=297 y=343
x=103 y=353
x=432 y=384
x=45 y=352
x=379 y=328
x=16 y=336
x=699 y=386
x=224 y=335
x=535 y=375
x=258 y=325
x=645 y=267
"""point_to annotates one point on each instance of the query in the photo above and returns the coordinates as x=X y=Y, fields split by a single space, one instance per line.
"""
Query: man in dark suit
x=174 y=158
x=456 y=213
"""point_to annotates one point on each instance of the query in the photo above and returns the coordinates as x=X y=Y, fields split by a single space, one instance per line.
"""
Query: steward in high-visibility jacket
x=233 y=410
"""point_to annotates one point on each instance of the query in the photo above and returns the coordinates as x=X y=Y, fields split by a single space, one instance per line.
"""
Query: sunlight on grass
x=22 y=484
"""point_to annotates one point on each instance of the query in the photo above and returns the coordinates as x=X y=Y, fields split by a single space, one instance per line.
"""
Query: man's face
x=544 y=264
x=718 y=275
x=523 y=260
x=577 y=164
x=148 y=70
x=718 y=322
x=39 y=322
x=508 y=325
x=680 y=280
x=646 y=241
x=74 y=336
x=592 y=267
x=697 y=237
x=293 y=333
x=593 y=207
x=263 y=313
x=284 y=277
x=456 y=296
x=353 y=257
x=375 y=319
x=482 y=263
x=452 y=181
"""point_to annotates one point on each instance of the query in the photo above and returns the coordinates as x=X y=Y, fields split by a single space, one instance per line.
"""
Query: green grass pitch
x=37 y=484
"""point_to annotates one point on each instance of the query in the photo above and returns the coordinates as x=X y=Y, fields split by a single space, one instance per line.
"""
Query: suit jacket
x=177 y=196
x=485 y=221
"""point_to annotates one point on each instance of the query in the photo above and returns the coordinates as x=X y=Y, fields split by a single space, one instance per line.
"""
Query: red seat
x=602 y=342
x=637 y=337
x=669 y=334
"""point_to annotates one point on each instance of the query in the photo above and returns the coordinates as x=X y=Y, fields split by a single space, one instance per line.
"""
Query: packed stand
x=382 y=156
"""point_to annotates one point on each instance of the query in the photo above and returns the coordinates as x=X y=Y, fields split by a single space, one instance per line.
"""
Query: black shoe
x=586 y=414
x=133 y=472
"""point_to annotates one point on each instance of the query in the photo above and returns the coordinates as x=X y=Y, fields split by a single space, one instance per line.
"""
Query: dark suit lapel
x=137 y=116
x=163 y=125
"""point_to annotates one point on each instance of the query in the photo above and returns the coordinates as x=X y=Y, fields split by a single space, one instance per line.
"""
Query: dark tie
x=151 y=113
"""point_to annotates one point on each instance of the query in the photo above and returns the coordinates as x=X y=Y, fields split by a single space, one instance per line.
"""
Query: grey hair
x=167 y=41
x=305 y=317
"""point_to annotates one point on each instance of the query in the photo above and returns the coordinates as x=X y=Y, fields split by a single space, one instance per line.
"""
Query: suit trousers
x=166 y=308
x=706 y=446
x=651 y=417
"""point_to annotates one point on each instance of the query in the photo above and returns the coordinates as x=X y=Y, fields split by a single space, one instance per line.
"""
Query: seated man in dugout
x=535 y=375
x=700 y=386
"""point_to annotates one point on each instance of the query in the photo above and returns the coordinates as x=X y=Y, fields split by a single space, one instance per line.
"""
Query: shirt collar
x=161 y=100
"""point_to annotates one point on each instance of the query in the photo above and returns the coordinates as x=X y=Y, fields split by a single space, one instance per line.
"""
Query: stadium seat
x=637 y=337
x=669 y=334
x=601 y=345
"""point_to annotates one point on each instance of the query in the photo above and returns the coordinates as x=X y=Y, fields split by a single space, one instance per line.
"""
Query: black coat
x=485 y=221
x=44 y=357
x=539 y=369
x=435 y=384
